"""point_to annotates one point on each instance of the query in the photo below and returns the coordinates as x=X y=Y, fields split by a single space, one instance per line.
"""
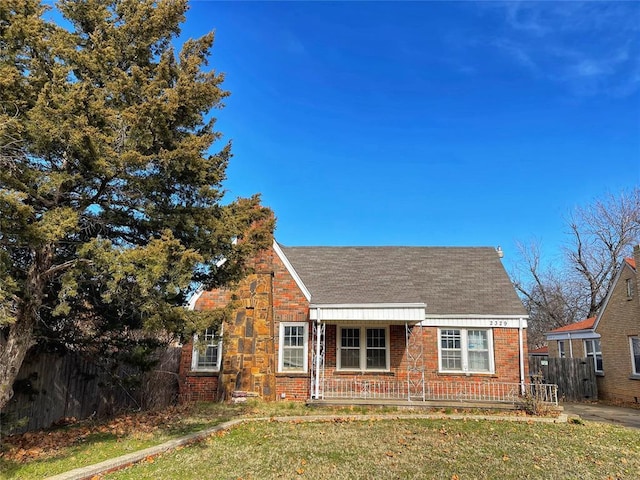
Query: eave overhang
x=382 y=312
x=573 y=335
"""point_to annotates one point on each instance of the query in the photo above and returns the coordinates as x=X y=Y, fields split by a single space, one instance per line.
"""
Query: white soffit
x=575 y=335
x=405 y=312
x=478 y=321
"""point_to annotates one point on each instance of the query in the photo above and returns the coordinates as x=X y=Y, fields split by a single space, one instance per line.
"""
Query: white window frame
x=635 y=371
x=282 y=347
x=562 y=351
x=195 y=356
x=629 y=285
x=595 y=352
x=363 y=348
x=464 y=350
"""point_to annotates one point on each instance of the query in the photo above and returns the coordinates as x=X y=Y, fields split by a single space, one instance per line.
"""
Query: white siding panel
x=408 y=314
x=498 y=322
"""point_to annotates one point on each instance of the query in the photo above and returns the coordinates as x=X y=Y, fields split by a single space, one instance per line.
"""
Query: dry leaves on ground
x=45 y=443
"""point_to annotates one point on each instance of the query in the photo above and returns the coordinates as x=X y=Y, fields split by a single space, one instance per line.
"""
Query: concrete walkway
x=596 y=412
x=135 y=457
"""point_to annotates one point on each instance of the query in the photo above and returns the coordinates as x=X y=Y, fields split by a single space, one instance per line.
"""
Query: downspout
x=406 y=354
x=570 y=345
x=317 y=359
x=521 y=347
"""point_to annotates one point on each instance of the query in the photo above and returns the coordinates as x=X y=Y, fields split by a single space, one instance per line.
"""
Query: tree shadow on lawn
x=47 y=452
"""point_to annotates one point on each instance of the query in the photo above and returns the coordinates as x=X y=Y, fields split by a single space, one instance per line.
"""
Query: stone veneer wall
x=248 y=361
x=251 y=338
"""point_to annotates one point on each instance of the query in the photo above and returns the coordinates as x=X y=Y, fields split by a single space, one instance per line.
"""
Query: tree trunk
x=19 y=337
x=19 y=340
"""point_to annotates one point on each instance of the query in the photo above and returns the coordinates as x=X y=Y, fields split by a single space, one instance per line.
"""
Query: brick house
x=611 y=340
x=618 y=325
x=577 y=340
x=395 y=323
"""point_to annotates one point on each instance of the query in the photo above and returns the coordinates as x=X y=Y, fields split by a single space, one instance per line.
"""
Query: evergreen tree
x=111 y=206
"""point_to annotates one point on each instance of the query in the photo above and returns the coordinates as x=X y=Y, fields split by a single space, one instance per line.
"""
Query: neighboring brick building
x=577 y=340
x=618 y=325
x=362 y=322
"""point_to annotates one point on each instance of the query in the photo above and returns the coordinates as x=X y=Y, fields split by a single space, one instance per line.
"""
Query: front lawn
x=421 y=449
x=345 y=448
x=37 y=455
x=41 y=454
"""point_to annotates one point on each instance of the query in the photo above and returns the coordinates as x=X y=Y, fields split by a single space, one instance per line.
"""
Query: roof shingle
x=449 y=280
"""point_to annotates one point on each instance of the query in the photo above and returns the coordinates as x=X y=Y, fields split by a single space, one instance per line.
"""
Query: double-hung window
x=363 y=348
x=466 y=350
x=593 y=352
x=634 y=344
x=562 y=353
x=207 y=351
x=293 y=347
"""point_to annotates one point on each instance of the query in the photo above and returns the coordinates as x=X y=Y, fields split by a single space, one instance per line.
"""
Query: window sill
x=601 y=374
x=469 y=374
x=293 y=374
x=203 y=373
x=634 y=377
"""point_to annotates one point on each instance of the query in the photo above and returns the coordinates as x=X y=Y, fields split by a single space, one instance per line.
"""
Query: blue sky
x=427 y=123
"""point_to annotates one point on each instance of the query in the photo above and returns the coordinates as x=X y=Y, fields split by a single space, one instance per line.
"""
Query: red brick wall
x=289 y=305
x=506 y=356
x=212 y=299
x=291 y=387
x=201 y=386
x=195 y=386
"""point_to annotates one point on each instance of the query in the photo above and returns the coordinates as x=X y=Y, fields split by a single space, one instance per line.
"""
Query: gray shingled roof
x=449 y=280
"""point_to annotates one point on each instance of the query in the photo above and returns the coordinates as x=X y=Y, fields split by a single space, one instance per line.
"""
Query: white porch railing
x=334 y=388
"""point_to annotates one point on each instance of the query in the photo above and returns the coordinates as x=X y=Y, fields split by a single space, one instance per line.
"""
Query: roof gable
x=626 y=263
x=449 y=280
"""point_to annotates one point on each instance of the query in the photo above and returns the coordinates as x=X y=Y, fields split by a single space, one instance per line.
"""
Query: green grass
x=85 y=444
x=446 y=449
x=341 y=449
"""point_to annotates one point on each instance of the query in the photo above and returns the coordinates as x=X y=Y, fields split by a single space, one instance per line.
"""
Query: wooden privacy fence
x=575 y=377
x=51 y=388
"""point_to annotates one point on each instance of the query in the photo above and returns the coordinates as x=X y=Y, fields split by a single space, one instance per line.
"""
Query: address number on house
x=499 y=323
